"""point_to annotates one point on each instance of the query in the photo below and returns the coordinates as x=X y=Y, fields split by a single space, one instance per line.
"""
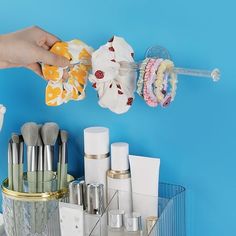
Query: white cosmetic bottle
x=97 y=157
x=118 y=178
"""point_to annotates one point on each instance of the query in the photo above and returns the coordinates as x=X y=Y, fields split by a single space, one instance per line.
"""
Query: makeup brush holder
x=168 y=221
x=32 y=214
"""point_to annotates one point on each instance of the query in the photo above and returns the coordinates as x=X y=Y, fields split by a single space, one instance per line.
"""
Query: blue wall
x=195 y=136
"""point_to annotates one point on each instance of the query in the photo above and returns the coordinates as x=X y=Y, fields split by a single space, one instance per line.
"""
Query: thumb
x=50 y=58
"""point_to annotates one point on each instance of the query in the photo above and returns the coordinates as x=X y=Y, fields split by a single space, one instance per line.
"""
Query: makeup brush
x=16 y=173
x=63 y=160
x=49 y=134
x=30 y=133
x=10 y=165
x=21 y=165
x=40 y=162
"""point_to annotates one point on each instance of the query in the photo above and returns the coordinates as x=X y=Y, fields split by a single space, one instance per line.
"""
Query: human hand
x=27 y=47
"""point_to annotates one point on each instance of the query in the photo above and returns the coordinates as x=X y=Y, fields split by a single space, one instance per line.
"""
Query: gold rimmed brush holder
x=33 y=213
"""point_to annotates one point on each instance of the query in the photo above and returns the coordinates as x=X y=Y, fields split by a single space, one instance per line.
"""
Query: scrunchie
x=60 y=91
x=157 y=82
x=149 y=80
x=166 y=83
x=115 y=85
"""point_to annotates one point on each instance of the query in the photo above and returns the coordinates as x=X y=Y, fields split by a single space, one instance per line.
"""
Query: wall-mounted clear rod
x=214 y=74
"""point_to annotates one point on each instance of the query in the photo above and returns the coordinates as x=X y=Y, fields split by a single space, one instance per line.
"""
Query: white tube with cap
x=97 y=157
x=118 y=178
x=145 y=180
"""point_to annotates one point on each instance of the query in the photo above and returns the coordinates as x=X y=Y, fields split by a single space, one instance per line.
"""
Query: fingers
x=6 y=64
x=49 y=39
x=50 y=58
x=45 y=46
x=36 y=68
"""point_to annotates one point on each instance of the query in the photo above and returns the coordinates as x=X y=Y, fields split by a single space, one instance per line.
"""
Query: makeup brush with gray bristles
x=30 y=135
x=49 y=134
x=40 y=165
x=17 y=162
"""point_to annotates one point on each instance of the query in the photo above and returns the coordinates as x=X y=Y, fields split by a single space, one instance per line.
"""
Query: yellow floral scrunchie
x=59 y=91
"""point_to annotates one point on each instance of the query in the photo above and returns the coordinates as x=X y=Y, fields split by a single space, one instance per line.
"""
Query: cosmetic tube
x=118 y=178
x=96 y=160
x=145 y=180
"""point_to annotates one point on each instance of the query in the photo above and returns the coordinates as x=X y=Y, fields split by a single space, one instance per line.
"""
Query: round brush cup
x=35 y=210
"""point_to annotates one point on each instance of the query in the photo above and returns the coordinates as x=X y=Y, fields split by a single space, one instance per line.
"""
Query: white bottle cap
x=119 y=156
x=96 y=141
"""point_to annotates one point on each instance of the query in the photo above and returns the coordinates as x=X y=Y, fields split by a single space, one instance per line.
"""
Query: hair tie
x=140 y=82
x=115 y=85
x=166 y=80
x=149 y=79
x=59 y=91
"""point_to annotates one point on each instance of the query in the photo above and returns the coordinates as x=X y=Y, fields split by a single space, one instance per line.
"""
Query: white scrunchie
x=115 y=86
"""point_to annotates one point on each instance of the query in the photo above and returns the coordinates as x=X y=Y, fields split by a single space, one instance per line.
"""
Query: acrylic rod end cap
x=119 y=156
x=215 y=74
x=96 y=140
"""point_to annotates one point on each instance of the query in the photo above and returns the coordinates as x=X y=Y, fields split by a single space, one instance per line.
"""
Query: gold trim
x=94 y=157
x=118 y=174
x=150 y=223
x=20 y=196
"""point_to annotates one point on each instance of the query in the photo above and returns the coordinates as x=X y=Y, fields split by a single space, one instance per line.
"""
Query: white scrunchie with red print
x=115 y=85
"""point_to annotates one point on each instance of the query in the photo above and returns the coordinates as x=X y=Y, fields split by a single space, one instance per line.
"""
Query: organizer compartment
x=171 y=212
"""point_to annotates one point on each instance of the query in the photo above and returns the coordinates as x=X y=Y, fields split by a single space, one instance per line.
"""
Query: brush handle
x=40 y=168
x=48 y=157
x=63 y=177
x=49 y=181
x=58 y=176
x=21 y=171
x=15 y=153
x=48 y=166
x=10 y=162
x=16 y=177
x=40 y=183
x=32 y=180
x=10 y=177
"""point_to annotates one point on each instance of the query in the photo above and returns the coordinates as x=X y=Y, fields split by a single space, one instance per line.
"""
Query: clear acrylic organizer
x=170 y=212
